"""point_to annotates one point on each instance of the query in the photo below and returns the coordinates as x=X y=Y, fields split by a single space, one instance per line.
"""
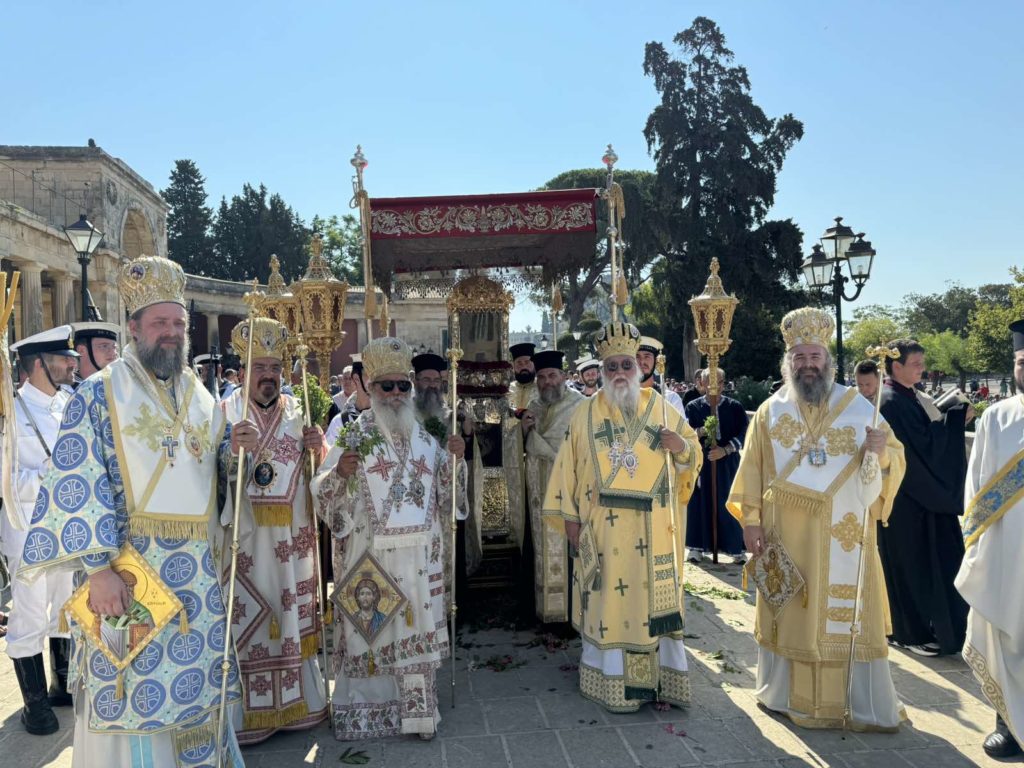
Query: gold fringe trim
x=275 y=628
x=790 y=500
x=62 y=623
x=197 y=530
x=272 y=515
x=309 y=645
x=193 y=739
x=277 y=718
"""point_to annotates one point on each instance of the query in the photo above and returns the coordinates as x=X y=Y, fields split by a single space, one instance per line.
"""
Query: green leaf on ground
x=354 y=757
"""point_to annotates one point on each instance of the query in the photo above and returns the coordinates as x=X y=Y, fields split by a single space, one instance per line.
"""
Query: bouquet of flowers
x=710 y=432
x=354 y=437
x=319 y=401
x=436 y=429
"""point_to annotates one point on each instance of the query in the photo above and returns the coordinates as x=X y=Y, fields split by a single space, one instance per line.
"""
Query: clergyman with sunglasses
x=389 y=513
x=609 y=492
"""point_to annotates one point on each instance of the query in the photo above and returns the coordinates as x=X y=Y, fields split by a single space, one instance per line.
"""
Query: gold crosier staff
x=454 y=355
x=880 y=353
x=659 y=366
x=303 y=351
x=252 y=299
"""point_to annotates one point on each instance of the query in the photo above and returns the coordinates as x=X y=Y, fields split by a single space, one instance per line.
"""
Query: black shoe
x=60 y=655
x=37 y=717
x=1000 y=743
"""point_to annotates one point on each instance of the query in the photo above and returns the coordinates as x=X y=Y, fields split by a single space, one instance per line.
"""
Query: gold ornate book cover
x=122 y=638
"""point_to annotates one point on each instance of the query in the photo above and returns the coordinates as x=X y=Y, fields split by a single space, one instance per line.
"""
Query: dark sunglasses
x=626 y=365
x=388 y=386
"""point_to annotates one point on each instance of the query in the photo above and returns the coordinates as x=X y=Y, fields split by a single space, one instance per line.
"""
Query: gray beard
x=162 y=363
x=626 y=398
x=551 y=395
x=395 y=418
x=430 y=404
x=814 y=392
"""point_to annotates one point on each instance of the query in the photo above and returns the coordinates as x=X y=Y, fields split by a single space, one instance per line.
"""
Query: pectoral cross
x=169 y=444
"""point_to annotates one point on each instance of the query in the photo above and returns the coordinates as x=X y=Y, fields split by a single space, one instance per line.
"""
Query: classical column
x=31 y=289
x=64 y=299
x=213 y=331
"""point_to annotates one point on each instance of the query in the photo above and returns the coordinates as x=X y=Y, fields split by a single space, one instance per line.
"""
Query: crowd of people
x=186 y=519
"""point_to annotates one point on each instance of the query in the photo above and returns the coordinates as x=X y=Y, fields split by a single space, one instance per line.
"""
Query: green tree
x=950 y=310
x=988 y=339
x=946 y=352
x=869 y=330
x=717 y=156
x=189 y=221
x=641 y=235
x=252 y=227
x=342 y=245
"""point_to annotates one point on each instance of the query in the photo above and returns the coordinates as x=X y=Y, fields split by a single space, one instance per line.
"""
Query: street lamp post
x=84 y=238
x=823 y=270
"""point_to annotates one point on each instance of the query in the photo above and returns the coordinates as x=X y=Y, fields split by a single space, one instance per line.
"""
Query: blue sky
x=912 y=110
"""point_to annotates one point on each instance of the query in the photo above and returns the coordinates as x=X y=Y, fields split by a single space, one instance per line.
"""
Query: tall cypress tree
x=189 y=221
x=717 y=156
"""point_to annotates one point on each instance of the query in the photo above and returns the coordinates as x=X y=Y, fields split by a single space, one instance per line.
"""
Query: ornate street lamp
x=84 y=239
x=824 y=270
x=712 y=317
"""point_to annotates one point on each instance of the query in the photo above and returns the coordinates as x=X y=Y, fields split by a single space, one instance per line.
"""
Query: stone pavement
x=529 y=715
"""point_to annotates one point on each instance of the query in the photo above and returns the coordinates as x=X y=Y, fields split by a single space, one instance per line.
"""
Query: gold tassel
x=408 y=614
x=119 y=686
x=621 y=291
x=275 y=628
x=557 y=305
x=775 y=632
x=62 y=623
x=805 y=594
x=309 y=645
x=329 y=614
x=183 y=624
x=743 y=579
x=371 y=667
x=370 y=305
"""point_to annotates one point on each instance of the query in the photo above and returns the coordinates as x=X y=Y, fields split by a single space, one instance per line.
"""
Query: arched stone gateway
x=137 y=235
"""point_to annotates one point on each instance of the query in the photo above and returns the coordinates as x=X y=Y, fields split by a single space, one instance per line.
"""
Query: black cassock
x=923 y=544
x=732 y=428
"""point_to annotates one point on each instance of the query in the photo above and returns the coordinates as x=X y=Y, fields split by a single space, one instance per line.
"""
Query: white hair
x=396 y=417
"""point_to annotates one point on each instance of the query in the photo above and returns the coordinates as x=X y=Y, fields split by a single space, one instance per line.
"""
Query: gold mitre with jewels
x=150 y=280
x=617 y=339
x=270 y=339
x=808 y=325
x=386 y=356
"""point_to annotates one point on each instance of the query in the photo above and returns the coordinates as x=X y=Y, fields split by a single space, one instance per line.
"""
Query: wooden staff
x=454 y=355
x=881 y=353
x=302 y=351
x=669 y=472
x=240 y=477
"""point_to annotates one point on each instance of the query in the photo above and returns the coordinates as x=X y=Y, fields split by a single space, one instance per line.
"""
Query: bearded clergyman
x=278 y=620
x=135 y=472
x=435 y=415
x=545 y=423
x=610 y=493
x=812 y=466
x=386 y=494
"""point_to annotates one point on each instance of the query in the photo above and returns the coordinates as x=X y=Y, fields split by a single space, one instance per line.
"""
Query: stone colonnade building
x=44 y=189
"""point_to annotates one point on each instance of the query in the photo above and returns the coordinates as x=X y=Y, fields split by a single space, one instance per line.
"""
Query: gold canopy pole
x=609 y=195
x=252 y=299
x=712 y=317
x=361 y=200
x=303 y=352
x=454 y=355
x=881 y=353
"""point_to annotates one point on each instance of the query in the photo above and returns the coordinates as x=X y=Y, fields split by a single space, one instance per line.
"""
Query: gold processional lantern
x=712 y=317
x=278 y=303
x=321 y=297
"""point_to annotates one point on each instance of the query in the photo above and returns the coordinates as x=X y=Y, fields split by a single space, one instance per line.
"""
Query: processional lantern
x=361 y=201
x=321 y=297
x=278 y=303
x=613 y=197
x=712 y=317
